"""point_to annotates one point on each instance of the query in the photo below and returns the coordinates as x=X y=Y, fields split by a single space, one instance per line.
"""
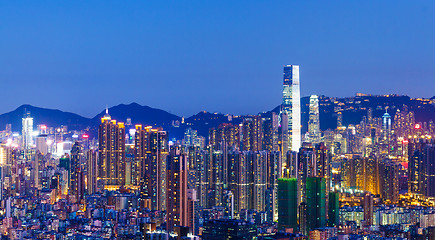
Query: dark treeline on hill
x=353 y=109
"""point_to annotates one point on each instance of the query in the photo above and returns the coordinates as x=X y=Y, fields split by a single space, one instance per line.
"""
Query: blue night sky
x=219 y=56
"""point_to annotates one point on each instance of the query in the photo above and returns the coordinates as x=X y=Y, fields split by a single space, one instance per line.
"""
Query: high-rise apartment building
x=316 y=203
x=76 y=187
x=333 y=209
x=176 y=196
x=151 y=150
x=217 y=177
x=312 y=161
x=226 y=135
x=287 y=203
x=259 y=179
x=92 y=171
x=247 y=179
x=191 y=137
x=306 y=159
x=111 y=136
x=252 y=134
x=37 y=159
x=132 y=167
x=270 y=133
x=361 y=173
x=291 y=107
x=389 y=181
x=192 y=219
x=368 y=209
x=421 y=170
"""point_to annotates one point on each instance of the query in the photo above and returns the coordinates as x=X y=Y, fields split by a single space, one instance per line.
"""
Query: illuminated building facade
x=386 y=132
x=249 y=175
x=421 y=170
x=339 y=119
x=111 y=136
x=92 y=171
x=217 y=164
x=312 y=161
x=270 y=133
x=389 y=181
x=361 y=173
x=368 y=208
x=190 y=137
x=27 y=131
x=314 y=122
x=291 y=106
x=176 y=196
x=252 y=134
x=151 y=150
x=226 y=135
x=306 y=159
x=77 y=187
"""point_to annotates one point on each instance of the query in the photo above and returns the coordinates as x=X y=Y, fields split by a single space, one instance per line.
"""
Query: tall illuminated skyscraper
x=92 y=171
x=27 y=131
x=389 y=181
x=77 y=177
x=291 y=106
x=421 y=169
x=111 y=136
x=75 y=168
x=151 y=149
x=386 y=124
x=314 y=123
x=176 y=196
x=386 y=129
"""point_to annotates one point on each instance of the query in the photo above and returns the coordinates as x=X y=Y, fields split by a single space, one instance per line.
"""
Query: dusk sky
x=219 y=56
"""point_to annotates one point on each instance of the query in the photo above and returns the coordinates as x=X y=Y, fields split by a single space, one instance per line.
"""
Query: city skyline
x=222 y=120
x=171 y=56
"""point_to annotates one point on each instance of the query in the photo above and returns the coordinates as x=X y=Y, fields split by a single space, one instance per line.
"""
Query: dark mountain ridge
x=352 y=108
x=49 y=117
x=139 y=115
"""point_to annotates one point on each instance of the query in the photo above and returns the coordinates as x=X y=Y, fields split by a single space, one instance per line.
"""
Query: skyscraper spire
x=106 y=116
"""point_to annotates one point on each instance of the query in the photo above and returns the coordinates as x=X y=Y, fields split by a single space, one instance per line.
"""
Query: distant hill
x=50 y=117
x=139 y=115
